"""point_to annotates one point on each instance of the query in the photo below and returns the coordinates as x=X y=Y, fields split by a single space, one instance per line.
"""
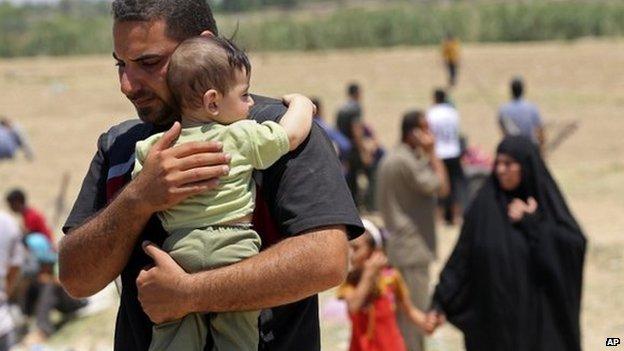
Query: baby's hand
x=289 y=99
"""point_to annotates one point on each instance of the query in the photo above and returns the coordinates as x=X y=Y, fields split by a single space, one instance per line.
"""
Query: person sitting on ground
x=42 y=291
x=11 y=258
x=371 y=291
x=34 y=221
x=12 y=139
x=209 y=79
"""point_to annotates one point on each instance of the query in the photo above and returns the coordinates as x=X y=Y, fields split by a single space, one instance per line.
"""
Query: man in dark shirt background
x=366 y=151
x=304 y=212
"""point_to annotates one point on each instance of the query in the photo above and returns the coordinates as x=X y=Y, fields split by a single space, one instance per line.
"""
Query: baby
x=209 y=80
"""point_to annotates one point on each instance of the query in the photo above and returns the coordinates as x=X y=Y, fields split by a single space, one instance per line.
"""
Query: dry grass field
x=64 y=103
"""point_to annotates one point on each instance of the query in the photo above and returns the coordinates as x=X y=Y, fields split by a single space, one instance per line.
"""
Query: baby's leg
x=189 y=333
x=197 y=250
x=234 y=331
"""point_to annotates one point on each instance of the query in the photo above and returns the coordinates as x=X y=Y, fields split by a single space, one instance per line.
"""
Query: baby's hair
x=203 y=63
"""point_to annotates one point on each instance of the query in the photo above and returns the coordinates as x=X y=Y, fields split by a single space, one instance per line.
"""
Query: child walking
x=372 y=292
x=209 y=80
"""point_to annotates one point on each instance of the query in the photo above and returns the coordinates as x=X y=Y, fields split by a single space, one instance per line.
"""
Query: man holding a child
x=303 y=212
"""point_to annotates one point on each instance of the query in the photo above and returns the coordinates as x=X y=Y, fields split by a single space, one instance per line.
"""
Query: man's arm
x=289 y=271
x=93 y=254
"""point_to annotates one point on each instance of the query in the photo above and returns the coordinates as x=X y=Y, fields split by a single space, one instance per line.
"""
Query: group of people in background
x=513 y=281
x=30 y=287
x=514 y=278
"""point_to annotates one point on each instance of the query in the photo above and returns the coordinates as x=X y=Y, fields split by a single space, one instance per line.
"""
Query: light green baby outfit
x=199 y=239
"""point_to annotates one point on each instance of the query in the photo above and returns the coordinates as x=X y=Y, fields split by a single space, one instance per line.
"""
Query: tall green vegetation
x=79 y=27
x=69 y=27
x=427 y=24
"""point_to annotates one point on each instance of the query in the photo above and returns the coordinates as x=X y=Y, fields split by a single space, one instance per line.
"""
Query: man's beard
x=162 y=114
x=159 y=115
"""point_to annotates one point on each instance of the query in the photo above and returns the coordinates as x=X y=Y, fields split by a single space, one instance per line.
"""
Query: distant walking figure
x=450 y=54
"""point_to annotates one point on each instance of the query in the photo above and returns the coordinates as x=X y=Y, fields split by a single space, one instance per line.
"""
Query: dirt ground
x=65 y=103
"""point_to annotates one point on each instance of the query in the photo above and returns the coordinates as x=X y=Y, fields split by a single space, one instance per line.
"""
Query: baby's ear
x=211 y=102
x=207 y=34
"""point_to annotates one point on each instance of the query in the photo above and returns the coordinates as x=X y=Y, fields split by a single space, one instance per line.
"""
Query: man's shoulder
x=397 y=158
x=267 y=109
x=126 y=132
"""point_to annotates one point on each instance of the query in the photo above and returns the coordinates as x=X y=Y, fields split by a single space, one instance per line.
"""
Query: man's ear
x=211 y=100
x=207 y=33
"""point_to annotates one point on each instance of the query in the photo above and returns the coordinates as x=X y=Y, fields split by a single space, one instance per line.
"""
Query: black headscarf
x=516 y=286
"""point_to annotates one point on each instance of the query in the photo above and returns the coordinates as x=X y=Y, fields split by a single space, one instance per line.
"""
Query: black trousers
x=459 y=187
x=452 y=72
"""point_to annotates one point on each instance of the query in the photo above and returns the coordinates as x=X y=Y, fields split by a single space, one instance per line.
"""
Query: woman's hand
x=422 y=321
x=517 y=209
x=435 y=319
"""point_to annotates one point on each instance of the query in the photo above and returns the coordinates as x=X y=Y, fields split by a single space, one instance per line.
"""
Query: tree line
x=73 y=27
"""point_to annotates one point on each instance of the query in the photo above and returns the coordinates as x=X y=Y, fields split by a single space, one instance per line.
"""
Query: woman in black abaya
x=513 y=281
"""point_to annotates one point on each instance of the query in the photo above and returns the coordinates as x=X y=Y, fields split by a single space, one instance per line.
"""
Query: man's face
x=16 y=206
x=142 y=51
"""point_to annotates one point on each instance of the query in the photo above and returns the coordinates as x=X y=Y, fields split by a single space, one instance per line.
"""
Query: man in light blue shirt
x=520 y=117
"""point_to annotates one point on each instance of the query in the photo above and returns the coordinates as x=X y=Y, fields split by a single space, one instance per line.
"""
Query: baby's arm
x=297 y=121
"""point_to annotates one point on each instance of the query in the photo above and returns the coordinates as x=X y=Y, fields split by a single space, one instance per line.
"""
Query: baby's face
x=236 y=104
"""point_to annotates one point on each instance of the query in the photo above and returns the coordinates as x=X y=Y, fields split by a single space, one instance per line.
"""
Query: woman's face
x=360 y=251
x=508 y=171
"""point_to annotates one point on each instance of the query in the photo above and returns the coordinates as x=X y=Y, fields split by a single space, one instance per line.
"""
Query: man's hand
x=289 y=271
x=426 y=139
x=163 y=288
x=517 y=209
x=172 y=174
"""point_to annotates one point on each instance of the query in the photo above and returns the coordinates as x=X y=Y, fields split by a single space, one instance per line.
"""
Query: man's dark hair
x=411 y=120
x=203 y=63
x=184 y=18
x=439 y=96
x=353 y=89
x=16 y=195
x=517 y=88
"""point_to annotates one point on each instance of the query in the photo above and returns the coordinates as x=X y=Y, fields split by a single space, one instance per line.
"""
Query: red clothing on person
x=35 y=222
x=374 y=327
